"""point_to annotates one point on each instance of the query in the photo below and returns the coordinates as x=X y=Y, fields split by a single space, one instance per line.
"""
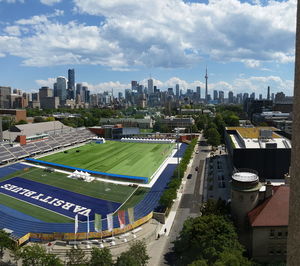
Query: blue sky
x=246 y=45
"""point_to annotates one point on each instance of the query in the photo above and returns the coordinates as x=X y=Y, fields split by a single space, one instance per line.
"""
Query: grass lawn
x=33 y=211
x=136 y=159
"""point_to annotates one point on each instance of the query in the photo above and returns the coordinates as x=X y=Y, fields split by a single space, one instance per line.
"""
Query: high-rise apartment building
x=177 y=91
x=5 y=93
x=230 y=97
x=221 y=96
x=71 y=84
x=198 y=90
x=150 y=86
x=215 y=95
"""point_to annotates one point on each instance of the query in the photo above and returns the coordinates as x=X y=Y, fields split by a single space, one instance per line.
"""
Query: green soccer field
x=97 y=189
x=135 y=159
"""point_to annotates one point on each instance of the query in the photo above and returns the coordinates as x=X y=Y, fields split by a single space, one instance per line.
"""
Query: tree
x=217 y=207
x=76 y=256
x=5 y=242
x=213 y=137
x=135 y=256
x=199 y=263
x=101 y=257
x=205 y=238
x=22 y=122
x=38 y=119
x=36 y=255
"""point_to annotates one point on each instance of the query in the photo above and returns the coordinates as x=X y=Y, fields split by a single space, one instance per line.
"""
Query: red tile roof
x=274 y=211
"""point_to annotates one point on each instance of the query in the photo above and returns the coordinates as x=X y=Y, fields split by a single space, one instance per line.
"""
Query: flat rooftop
x=249 y=138
x=253 y=132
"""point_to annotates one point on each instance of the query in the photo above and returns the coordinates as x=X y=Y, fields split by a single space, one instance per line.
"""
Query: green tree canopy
x=76 y=256
x=206 y=238
x=213 y=137
x=36 y=255
x=101 y=257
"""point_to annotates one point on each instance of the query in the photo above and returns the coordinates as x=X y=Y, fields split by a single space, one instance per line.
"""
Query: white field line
x=35 y=206
x=126 y=200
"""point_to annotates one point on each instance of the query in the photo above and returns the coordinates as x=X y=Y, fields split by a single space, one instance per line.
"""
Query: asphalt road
x=189 y=207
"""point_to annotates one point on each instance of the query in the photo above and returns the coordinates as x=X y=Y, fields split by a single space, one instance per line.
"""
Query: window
x=286 y=234
x=272 y=233
x=279 y=234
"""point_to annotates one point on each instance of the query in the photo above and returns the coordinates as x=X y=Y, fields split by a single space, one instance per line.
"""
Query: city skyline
x=112 y=44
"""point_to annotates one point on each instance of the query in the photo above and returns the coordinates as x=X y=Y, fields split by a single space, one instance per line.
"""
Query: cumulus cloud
x=46 y=83
x=50 y=2
x=167 y=34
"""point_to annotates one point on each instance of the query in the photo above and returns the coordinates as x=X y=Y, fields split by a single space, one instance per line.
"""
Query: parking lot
x=218 y=175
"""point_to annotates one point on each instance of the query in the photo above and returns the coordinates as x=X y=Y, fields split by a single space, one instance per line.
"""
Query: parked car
x=189 y=176
x=197 y=168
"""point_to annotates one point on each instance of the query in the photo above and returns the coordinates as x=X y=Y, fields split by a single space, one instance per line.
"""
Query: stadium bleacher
x=10 y=153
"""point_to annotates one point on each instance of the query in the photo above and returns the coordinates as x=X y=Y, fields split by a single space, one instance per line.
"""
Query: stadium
x=70 y=178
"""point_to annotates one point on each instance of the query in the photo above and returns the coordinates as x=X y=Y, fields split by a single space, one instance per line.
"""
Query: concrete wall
x=267 y=247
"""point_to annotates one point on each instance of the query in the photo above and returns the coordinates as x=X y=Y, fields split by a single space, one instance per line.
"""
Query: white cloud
x=167 y=34
x=13 y=30
x=50 y=2
x=46 y=83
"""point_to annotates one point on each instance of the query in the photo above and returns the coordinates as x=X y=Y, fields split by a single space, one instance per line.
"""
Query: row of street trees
x=37 y=255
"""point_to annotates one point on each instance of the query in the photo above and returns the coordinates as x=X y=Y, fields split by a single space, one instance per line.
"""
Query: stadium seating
x=10 y=153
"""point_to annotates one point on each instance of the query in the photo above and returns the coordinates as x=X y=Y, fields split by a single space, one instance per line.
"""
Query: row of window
x=277 y=251
x=278 y=234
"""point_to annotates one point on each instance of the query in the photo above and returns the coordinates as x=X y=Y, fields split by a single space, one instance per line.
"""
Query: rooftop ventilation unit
x=265 y=134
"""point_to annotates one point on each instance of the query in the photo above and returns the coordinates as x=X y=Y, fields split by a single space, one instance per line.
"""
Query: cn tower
x=206 y=89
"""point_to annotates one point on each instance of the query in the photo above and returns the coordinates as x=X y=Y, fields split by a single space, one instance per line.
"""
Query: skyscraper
x=230 y=97
x=198 y=89
x=61 y=87
x=5 y=93
x=268 y=95
x=150 y=86
x=206 y=88
x=71 y=83
x=215 y=95
x=177 y=91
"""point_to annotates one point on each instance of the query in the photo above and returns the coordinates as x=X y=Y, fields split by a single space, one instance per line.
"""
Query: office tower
x=5 y=93
x=78 y=88
x=273 y=97
x=221 y=96
x=150 y=86
x=170 y=91
x=155 y=89
x=245 y=96
x=268 y=95
x=260 y=96
x=177 y=91
x=120 y=95
x=45 y=92
x=206 y=88
x=140 y=89
x=252 y=95
x=61 y=85
x=215 y=95
x=134 y=85
x=230 y=97
x=198 y=89
x=55 y=93
x=71 y=83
